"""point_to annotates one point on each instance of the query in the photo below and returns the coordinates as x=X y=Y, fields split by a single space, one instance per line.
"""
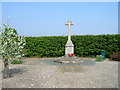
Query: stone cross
x=69 y=23
x=69 y=47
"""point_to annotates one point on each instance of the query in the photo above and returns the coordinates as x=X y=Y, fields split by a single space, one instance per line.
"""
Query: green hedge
x=85 y=45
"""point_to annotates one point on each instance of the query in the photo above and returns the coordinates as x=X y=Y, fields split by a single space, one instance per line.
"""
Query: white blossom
x=11 y=45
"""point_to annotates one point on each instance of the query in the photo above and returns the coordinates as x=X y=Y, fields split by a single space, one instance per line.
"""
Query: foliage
x=85 y=45
x=45 y=46
x=99 y=58
x=11 y=44
x=16 y=62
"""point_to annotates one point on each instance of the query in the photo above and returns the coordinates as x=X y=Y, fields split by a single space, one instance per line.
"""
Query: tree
x=11 y=47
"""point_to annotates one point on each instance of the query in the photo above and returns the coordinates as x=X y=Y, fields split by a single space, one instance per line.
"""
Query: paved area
x=35 y=73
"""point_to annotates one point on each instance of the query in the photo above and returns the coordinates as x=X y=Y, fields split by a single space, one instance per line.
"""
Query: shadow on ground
x=17 y=71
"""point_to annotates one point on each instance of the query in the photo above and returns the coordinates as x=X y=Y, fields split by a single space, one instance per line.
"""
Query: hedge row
x=85 y=45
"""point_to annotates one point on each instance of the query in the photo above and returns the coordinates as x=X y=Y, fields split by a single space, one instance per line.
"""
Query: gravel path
x=35 y=73
x=0 y=73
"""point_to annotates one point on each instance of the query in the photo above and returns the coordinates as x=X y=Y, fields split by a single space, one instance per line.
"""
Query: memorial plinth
x=69 y=48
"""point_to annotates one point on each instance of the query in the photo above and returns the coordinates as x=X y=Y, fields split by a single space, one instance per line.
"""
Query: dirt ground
x=36 y=73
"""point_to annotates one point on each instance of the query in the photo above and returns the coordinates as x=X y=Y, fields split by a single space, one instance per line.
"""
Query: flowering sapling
x=11 y=46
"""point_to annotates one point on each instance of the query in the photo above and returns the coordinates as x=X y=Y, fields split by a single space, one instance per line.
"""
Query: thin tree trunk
x=6 y=68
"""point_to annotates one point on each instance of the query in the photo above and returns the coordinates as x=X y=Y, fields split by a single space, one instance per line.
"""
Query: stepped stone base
x=69 y=60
